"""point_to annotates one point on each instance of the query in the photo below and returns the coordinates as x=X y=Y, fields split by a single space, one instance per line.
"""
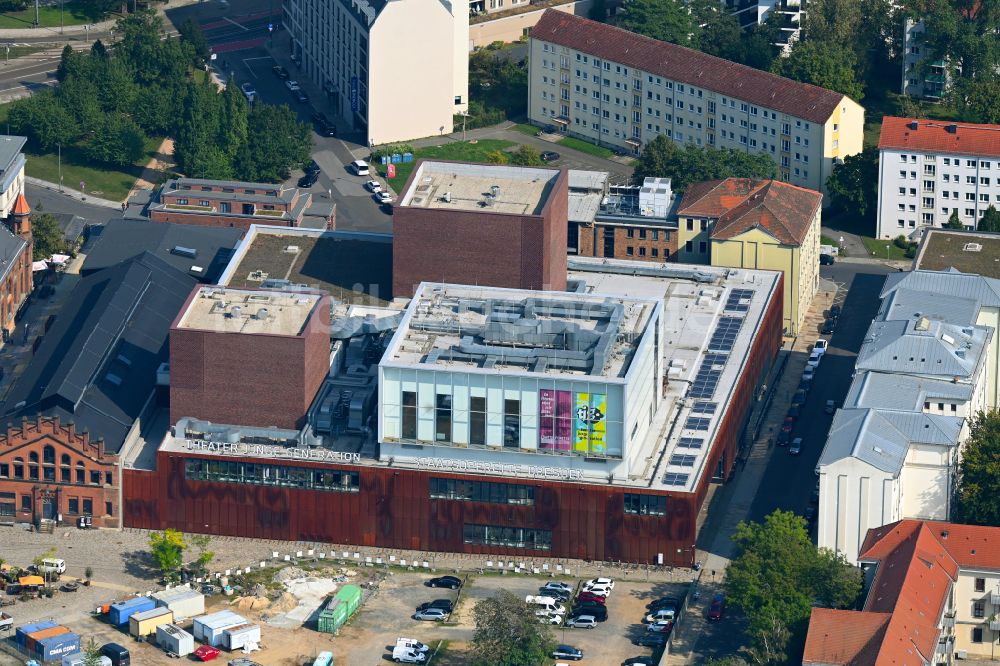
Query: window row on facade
x=482 y=491
x=507 y=537
x=64 y=473
x=307 y=478
x=75 y=506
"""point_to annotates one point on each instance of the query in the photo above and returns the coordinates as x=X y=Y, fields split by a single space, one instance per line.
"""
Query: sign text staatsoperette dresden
x=266 y=451
x=503 y=469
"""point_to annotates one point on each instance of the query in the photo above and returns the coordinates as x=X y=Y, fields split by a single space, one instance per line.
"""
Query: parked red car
x=717 y=608
x=590 y=596
x=206 y=653
x=788 y=424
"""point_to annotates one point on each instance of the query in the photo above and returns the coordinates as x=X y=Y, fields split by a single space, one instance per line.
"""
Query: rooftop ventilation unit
x=292 y=249
x=495 y=190
x=182 y=251
x=972 y=247
x=951 y=129
x=235 y=312
x=261 y=314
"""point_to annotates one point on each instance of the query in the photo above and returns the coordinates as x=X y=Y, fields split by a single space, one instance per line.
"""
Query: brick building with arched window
x=50 y=472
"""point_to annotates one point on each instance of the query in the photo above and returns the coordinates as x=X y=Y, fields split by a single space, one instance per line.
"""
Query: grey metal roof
x=120 y=240
x=583 y=207
x=905 y=303
x=985 y=291
x=902 y=392
x=882 y=438
x=174 y=187
x=11 y=247
x=588 y=180
x=10 y=147
x=97 y=364
x=923 y=347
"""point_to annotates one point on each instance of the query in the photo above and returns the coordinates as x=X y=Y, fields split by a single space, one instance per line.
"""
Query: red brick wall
x=251 y=380
x=217 y=220
x=666 y=246
x=472 y=247
x=18 y=446
x=15 y=288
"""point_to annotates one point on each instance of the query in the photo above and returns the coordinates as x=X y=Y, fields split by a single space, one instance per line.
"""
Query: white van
x=402 y=655
x=548 y=604
x=52 y=565
x=412 y=644
x=360 y=167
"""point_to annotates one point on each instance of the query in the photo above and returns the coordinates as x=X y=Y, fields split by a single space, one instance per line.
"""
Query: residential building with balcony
x=789 y=14
x=620 y=89
x=360 y=53
x=223 y=203
x=929 y=170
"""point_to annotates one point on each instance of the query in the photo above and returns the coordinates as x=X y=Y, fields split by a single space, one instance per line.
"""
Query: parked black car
x=653 y=639
x=444 y=604
x=599 y=612
x=450 y=582
x=312 y=167
x=309 y=179
x=280 y=72
x=549 y=156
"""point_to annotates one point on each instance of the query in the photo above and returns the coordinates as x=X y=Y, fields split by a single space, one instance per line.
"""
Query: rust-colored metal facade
x=393 y=508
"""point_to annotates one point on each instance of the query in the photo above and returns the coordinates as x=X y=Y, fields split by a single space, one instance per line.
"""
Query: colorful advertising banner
x=591 y=430
x=555 y=428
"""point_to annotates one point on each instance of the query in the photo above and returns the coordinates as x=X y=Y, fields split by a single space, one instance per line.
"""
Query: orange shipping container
x=33 y=638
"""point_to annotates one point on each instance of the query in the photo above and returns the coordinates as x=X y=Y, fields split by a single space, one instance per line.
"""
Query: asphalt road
x=789 y=480
x=54 y=202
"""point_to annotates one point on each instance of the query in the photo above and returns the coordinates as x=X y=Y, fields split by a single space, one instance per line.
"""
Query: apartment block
x=788 y=13
x=619 y=89
x=922 y=78
x=361 y=54
x=930 y=169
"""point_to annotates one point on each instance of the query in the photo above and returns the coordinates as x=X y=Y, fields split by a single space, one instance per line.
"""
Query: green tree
x=833 y=21
x=979 y=473
x=719 y=32
x=167 y=549
x=526 y=155
x=92 y=653
x=758 y=44
x=118 y=140
x=43 y=120
x=235 y=122
x=205 y=556
x=508 y=633
x=953 y=221
x=46 y=236
x=190 y=32
x=276 y=142
x=688 y=163
x=853 y=185
x=497 y=157
x=666 y=20
x=776 y=577
x=977 y=100
x=990 y=220
x=824 y=64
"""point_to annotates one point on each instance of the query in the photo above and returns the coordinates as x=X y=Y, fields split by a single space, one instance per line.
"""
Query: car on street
x=312 y=167
x=323 y=125
x=640 y=661
x=799 y=398
x=664 y=602
x=590 y=596
x=821 y=345
x=549 y=156
x=373 y=186
x=383 y=197
x=434 y=614
x=788 y=424
x=830 y=407
x=443 y=604
x=589 y=608
x=280 y=72
x=582 y=622
x=783 y=438
x=717 y=608
x=814 y=359
x=795 y=411
x=309 y=179
x=826 y=260
x=248 y=91
x=828 y=326
x=603 y=582
x=567 y=652
x=662 y=614
x=795 y=448
x=835 y=311
x=557 y=585
x=660 y=626
x=292 y=85
x=809 y=372
x=450 y=582
x=300 y=96
x=653 y=640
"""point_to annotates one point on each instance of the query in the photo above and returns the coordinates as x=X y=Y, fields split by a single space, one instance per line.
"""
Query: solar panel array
x=707 y=379
x=733 y=303
x=697 y=423
x=690 y=443
x=725 y=333
x=682 y=460
x=675 y=479
x=704 y=407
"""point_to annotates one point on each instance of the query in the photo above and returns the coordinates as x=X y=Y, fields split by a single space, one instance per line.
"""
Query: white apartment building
x=11 y=171
x=620 y=89
x=361 y=53
x=930 y=169
x=921 y=79
x=790 y=13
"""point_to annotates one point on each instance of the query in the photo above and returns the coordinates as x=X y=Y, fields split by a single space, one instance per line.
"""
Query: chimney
x=913 y=124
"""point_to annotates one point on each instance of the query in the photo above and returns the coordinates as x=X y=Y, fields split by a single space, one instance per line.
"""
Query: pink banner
x=555 y=420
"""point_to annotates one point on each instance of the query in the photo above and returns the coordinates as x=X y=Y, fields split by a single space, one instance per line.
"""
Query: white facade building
x=360 y=53
x=11 y=171
x=893 y=450
x=930 y=169
x=617 y=88
x=789 y=13
x=921 y=78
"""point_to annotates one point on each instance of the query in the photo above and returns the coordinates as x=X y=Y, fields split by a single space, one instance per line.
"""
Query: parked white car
x=814 y=358
x=373 y=186
x=402 y=655
x=821 y=346
x=383 y=197
x=598 y=583
x=292 y=85
x=412 y=644
x=435 y=614
x=662 y=614
x=582 y=622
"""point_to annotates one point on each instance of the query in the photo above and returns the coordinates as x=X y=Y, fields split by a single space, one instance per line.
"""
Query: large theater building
x=584 y=424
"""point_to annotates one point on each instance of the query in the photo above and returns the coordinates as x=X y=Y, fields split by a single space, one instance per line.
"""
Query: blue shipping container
x=22 y=632
x=120 y=613
x=54 y=647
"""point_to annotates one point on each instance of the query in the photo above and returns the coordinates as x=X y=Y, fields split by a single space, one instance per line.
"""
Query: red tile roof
x=933 y=136
x=971 y=546
x=739 y=204
x=912 y=583
x=21 y=206
x=695 y=68
x=843 y=636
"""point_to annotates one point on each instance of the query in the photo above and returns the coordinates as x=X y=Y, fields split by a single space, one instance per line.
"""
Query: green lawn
x=876 y=248
x=585 y=147
x=471 y=151
x=101 y=181
x=826 y=240
x=525 y=128
x=74 y=12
